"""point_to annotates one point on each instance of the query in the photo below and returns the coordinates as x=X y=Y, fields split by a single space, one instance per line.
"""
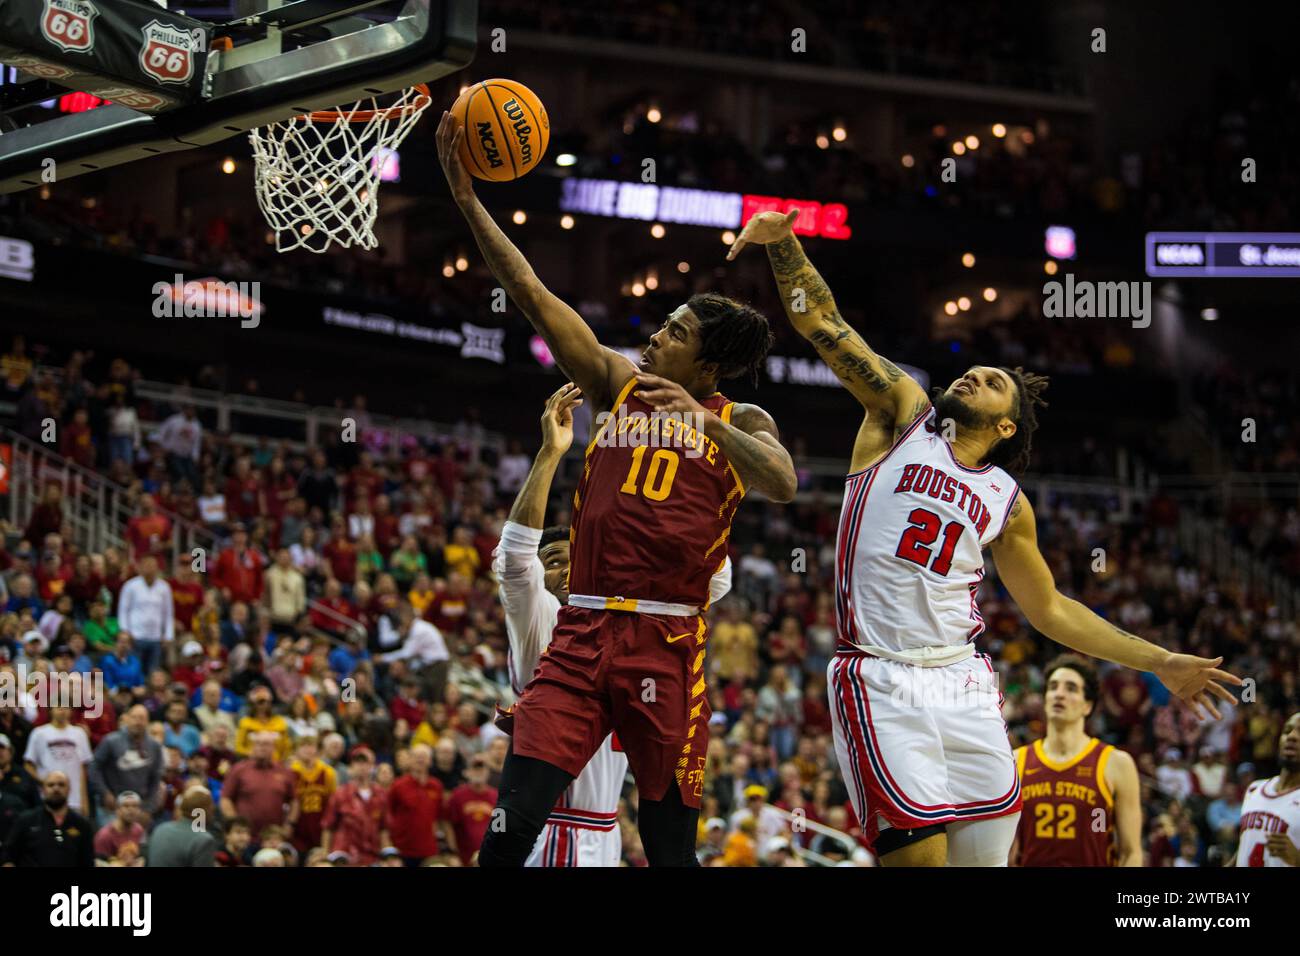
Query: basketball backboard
x=197 y=73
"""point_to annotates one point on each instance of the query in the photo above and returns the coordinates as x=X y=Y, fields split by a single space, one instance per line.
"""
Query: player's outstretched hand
x=764 y=228
x=666 y=396
x=557 y=419
x=458 y=178
x=1195 y=681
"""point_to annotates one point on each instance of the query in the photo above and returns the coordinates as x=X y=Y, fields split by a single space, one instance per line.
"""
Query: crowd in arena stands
x=1259 y=440
x=317 y=686
x=985 y=42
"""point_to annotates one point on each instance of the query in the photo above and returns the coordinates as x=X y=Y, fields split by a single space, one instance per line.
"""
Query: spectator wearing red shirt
x=407 y=705
x=415 y=810
x=364 y=482
x=1124 y=698
x=97 y=716
x=280 y=489
x=258 y=788
x=77 y=441
x=356 y=817
x=148 y=531
x=47 y=517
x=53 y=576
x=386 y=533
x=334 y=600
x=340 y=553
x=85 y=585
x=193 y=670
x=449 y=609
x=469 y=809
x=244 y=498
x=447 y=471
x=238 y=570
x=816 y=715
x=187 y=594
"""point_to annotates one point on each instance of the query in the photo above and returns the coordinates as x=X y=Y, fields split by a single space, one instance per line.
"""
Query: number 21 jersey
x=909 y=554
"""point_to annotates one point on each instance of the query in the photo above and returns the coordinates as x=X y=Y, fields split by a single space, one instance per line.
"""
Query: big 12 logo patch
x=70 y=24
x=167 y=53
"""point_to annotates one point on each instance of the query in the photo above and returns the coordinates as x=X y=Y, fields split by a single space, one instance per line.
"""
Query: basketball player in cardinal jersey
x=666 y=470
x=531 y=565
x=1082 y=799
x=930 y=487
x=1270 y=811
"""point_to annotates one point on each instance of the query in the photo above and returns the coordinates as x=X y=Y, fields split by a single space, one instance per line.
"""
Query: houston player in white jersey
x=1270 y=811
x=917 y=723
x=532 y=568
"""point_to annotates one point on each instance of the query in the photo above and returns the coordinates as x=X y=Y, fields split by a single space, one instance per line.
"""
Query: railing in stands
x=816 y=859
x=98 y=509
x=308 y=422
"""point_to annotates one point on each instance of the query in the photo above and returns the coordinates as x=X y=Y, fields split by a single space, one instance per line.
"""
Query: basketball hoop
x=317 y=175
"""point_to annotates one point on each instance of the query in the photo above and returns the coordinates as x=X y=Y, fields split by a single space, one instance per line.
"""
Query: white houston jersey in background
x=582 y=830
x=909 y=553
x=1265 y=810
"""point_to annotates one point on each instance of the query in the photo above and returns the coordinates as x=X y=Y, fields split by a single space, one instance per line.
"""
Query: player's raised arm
x=529 y=509
x=872 y=379
x=1194 y=680
x=598 y=371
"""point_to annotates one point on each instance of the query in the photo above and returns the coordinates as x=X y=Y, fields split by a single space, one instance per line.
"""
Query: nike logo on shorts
x=677 y=637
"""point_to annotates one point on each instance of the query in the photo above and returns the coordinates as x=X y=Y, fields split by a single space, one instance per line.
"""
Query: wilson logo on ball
x=521 y=128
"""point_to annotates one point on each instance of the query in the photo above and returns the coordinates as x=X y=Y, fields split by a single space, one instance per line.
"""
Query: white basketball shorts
x=561 y=845
x=921 y=745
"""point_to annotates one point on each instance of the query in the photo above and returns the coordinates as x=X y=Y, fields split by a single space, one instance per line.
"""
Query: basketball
x=506 y=129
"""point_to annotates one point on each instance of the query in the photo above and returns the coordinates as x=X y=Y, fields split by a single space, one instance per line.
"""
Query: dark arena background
x=310 y=449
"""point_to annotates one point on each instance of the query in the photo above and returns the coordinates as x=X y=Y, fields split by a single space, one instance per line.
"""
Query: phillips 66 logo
x=167 y=53
x=69 y=24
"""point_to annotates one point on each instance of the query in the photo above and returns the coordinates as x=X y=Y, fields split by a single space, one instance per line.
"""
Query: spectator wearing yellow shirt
x=741 y=849
x=421 y=594
x=316 y=783
x=461 y=555
x=433 y=726
x=259 y=719
x=734 y=646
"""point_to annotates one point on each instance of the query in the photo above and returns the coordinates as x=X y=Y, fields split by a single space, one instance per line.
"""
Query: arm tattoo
x=1123 y=633
x=918 y=407
x=766 y=467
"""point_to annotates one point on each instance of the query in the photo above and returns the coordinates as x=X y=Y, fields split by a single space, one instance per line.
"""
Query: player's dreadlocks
x=1013 y=453
x=735 y=336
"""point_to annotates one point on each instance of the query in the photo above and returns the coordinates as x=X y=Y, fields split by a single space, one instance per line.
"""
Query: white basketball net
x=317 y=177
